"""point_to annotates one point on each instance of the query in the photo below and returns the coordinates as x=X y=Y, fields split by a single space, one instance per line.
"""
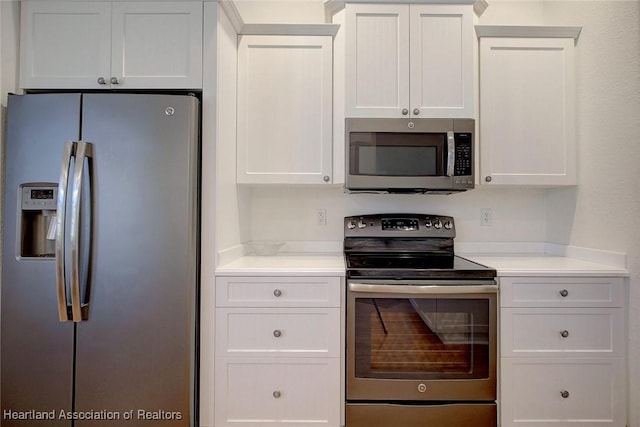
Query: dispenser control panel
x=39 y=198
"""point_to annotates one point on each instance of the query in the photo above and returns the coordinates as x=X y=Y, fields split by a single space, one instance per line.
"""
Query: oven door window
x=422 y=338
x=396 y=154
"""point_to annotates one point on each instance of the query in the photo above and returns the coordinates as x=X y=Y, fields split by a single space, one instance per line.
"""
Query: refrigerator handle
x=61 y=282
x=84 y=150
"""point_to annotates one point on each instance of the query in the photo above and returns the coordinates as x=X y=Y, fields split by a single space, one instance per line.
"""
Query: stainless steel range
x=421 y=326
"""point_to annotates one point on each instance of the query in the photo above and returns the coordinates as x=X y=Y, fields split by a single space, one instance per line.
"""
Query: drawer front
x=585 y=392
x=310 y=332
x=278 y=291
x=271 y=392
x=570 y=332
x=561 y=292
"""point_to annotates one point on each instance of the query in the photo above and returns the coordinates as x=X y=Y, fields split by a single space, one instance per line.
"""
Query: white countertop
x=332 y=264
x=329 y=264
x=544 y=265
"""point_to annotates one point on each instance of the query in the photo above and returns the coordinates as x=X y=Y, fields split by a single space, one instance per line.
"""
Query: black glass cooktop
x=409 y=266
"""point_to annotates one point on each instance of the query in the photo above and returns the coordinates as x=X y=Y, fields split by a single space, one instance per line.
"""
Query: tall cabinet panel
x=527 y=107
x=284 y=109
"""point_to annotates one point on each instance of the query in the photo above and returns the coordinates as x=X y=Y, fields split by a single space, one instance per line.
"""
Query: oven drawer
x=278 y=292
x=561 y=292
x=446 y=415
x=560 y=392
x=309 y=332
x=251 y=392
x=570 y=332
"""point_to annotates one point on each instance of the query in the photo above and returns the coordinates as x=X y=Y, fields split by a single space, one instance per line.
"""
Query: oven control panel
x=399 y=225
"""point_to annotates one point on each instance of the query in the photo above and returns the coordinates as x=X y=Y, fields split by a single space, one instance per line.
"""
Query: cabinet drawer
x=586 y=392
x=278 y=292
x=570 y=332
x=561 y=292
x=252 y=392
x=310 y=332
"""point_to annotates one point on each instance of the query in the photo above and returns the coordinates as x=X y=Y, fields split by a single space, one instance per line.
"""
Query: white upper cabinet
x=104 y=45
x=409 y=60
x=527 y=107
x=284 y=109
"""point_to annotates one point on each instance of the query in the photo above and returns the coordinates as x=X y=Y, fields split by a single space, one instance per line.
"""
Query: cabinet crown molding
x=533 y=31
x=332 y=7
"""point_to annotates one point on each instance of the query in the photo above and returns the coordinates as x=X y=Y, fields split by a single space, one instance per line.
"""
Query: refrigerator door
x=136 y=350
x=36 y=348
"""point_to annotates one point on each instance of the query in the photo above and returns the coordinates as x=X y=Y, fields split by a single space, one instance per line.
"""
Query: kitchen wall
x=601 y=212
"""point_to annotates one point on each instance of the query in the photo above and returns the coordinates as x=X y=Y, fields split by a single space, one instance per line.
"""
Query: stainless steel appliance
x=409 y=155
x=100 y=260
x=421 y=326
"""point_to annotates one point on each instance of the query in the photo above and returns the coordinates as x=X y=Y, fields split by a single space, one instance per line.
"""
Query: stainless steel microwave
x=399 y=155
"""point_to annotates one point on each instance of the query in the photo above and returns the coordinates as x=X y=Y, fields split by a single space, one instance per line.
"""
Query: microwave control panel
x=463 y=161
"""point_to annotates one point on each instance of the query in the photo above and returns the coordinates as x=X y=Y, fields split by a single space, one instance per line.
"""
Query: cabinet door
x=64 y=45
x=527 y=103
x=556 y=392
x=441 y=76
x=284 y=110
x=285 y=391
x=377 y=60
x=157 y=45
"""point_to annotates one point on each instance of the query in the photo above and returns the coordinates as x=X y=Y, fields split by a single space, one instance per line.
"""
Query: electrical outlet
x=486 y=217
x=321 y=216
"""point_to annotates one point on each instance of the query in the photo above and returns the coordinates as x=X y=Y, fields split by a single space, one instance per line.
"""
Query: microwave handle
x=451 y=152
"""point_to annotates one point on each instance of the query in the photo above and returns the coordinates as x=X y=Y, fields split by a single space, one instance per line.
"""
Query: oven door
x=421 y=340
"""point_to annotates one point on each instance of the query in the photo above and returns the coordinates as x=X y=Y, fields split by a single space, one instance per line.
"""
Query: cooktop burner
x=405 y=246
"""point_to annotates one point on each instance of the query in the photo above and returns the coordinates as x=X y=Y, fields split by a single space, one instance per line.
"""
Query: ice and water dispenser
x=38 y=220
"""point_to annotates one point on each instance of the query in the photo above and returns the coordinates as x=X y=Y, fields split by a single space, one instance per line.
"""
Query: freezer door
x=36 y=349
x=136 y=350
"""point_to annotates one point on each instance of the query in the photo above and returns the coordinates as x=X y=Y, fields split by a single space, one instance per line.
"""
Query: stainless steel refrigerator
x=100 y=260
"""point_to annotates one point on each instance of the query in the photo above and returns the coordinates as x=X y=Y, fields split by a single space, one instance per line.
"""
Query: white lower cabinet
x=278 y=347
x=562 y=346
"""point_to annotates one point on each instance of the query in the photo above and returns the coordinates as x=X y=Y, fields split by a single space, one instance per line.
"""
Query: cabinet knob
x=416 y=111
x=405 y=111
x=564 y=333
x=277 y=333
x=564 y=293
x=102 y=81
x=564 y=394
x=114 y=81
x=326 y=178
x=277 y=293
x=277 y=394
x=488 y=179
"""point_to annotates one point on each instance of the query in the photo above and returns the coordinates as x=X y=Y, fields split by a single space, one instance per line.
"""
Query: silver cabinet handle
x=277 y=293
x=61 y=280
x=405 y=111
x=326 y=178
x=277 y=394
x=102 y=81
x=277 y=333
x=416 y=111
x=564 y=334
x=488 y=179
x=564 y=293
x=564 y=394
x=114 y=81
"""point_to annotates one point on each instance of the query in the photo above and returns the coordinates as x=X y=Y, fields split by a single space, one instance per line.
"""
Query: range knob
x=437 y=224
x=362 y=224
x=448 y=225
x=428 y=224
x=351 y=225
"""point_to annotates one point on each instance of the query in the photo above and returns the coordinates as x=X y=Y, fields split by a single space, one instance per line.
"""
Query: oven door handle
x=488 y=287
